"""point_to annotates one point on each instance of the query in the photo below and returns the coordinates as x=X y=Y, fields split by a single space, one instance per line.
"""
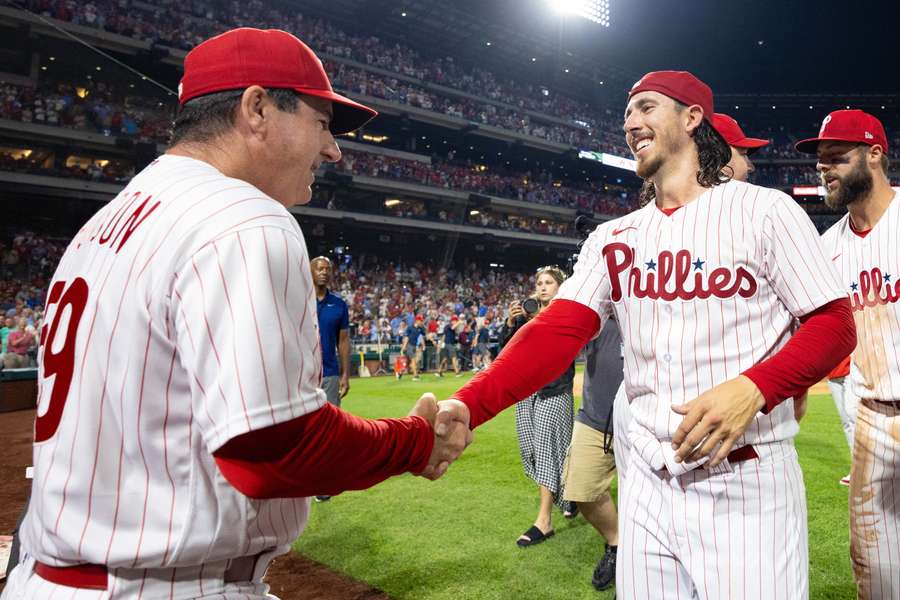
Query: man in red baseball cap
x=264 y=96
x=849 y=143
x=741 y=146
x=675 y=132
x=852 y=151
x=195 y=281
x=690 y=278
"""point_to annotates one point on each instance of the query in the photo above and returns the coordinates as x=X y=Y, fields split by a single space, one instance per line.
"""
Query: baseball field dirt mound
x=292 y=577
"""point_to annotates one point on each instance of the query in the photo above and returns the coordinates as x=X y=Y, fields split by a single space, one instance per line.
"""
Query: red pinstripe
x=775 y=534
x=209 y=334
x=262 y=358
x=166 y=459
x=284 y=365
x=112 y=534
x=693 y=475
x=137 y=552
x=237 y=368
x=187 y=328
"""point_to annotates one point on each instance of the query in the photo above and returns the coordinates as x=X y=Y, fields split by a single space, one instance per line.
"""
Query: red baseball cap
x=271 y=58
x=729 y=129
x=678 y=85
x=851 y=125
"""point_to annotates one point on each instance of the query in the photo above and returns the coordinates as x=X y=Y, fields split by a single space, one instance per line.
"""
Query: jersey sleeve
x=794 y=259
x=246 y=332
x=590 y=283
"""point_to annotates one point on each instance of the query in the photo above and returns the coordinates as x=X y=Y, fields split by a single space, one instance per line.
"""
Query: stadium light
x=596 y=11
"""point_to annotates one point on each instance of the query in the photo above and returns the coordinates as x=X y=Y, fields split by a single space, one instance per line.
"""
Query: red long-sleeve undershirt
x=541 y=350
x=324 y=453
x=536 y=355
x=826 y=336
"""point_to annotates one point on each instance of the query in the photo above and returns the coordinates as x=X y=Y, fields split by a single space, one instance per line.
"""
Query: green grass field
x=455 y=538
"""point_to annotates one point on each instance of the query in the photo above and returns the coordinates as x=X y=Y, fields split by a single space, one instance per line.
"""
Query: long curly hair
x=713 y=153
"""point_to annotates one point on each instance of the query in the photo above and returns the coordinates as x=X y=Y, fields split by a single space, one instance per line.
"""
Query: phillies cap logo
x=825 y=122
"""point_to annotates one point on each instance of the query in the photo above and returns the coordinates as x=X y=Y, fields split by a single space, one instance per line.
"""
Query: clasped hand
x=449 y=420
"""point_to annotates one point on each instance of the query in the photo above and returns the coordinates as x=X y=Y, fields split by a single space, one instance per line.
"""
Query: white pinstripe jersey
x=701 y=296
x=869 y=269
x=181 y=315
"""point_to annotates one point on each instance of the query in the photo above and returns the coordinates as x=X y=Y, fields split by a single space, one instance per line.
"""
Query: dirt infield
x=292 y=577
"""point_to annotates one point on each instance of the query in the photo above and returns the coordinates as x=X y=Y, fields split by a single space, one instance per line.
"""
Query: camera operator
x=543 y=420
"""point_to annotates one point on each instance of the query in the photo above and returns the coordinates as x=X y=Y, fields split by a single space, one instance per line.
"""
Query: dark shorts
x=332 y=388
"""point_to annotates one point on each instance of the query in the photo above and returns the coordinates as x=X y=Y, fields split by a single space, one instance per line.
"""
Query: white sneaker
x=845 y=480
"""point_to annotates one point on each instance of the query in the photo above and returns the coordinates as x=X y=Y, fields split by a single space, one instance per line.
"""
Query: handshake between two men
x=450 y=421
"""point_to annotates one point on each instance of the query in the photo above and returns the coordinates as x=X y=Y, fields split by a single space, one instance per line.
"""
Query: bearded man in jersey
x=706 y=282
x=852 y=160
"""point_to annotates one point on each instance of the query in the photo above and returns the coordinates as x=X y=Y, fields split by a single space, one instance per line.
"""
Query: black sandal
x=534 y=536
x=572 y=511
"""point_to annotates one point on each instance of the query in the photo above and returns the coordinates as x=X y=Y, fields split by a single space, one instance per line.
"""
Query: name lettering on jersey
x=874 y=289
x=112 y=231
x=673 y=276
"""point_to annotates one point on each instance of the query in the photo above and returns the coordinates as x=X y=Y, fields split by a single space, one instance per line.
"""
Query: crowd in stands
x=44 y=162
x=459 y=215
x=385 y=297
x=183 y=24
x=27 y=261
x=94 y=106
x=359 y=81
x=539 y=188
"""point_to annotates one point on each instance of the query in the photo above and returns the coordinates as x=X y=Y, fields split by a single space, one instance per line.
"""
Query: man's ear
x=254 y=111
x=693 y=117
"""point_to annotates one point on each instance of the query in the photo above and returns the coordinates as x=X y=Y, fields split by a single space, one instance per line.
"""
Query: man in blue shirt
x=413 y=346
x=481 y=354
x=334 y=332
x=449 y=348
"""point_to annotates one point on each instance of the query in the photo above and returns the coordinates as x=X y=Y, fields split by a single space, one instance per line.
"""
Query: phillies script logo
x=674 y=276
x=874 y=288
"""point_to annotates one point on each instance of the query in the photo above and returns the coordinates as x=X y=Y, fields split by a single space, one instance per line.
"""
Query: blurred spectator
x=21 y=343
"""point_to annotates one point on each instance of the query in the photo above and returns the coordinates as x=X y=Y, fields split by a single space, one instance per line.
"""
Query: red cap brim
x=348 y=115
x=751 y=143
x=811 y=145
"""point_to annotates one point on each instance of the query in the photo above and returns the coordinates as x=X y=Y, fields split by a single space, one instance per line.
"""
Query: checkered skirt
x=544 y=428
